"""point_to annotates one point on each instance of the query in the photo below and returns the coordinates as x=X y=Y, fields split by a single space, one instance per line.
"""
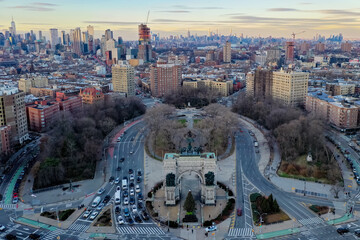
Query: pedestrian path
x=241 y=232
x=53 y=235
x=141 y=230
x=357 y=197
x=8 y=206
x=78 y=227
x=309 y=221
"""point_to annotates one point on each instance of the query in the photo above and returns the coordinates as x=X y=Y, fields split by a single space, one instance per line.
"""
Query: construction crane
x=294 y=34
x=147 y=18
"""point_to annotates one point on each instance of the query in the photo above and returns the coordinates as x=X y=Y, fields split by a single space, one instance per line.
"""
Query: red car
x=239 y=212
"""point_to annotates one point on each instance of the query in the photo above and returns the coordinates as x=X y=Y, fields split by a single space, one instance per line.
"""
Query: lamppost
x=202 y=214
x=261 y=217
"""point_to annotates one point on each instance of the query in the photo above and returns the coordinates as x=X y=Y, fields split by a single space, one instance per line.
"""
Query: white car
x=137 y=188
x=133 y=208
x=120 y=220
x=132 y=192
x=87 y=214
x=132 y=177
x=126 y=201
x=117 y=180
x=211 y=228
x=101 y=191
x=93 y=215
x=2 y=228
x=100 y=206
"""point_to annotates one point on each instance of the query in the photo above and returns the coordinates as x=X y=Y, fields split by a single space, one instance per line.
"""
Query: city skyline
x=260 y=18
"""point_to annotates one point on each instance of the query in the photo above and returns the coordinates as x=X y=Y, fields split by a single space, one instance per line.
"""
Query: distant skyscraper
x=227 y=52
x=40 y=35
x=289 y=52
x=90 y=30
x=108 y=34
x=145 y=51
x=320 y=47
x=77 y=48
x=62 y=38
x=123 y=79
x=13 y=28
x=54 y=37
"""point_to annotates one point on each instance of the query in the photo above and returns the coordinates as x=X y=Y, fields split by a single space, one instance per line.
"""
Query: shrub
x=173 y=224
x=254 y=196
x=207 y=223
x=190 y=218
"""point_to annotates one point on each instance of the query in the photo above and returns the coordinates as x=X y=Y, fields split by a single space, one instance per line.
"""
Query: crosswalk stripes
x=78 y=227
x=357 y=196
x=141 y=230
x=8 y=206
x=308 y=221
x=52 y=234
x=241 y=232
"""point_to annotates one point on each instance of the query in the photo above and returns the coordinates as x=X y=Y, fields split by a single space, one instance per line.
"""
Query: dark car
x=239 y=212
x=10 y=237
x=117 y=210
x=139 y=173
x=131 y=185
x=34 y=236
x=131 y=171
x=145 y=216
x=138 y=219
x=125 y=193
x=132 y=200
x=140 y=196
x=130 y=221
x=122 y=159
x=111 y=179
x=118 y=168
x=342 y=230
x=140 y=205
x=138 y=179
x=106 y=199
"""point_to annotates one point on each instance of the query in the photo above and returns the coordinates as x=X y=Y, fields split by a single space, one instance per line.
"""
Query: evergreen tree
x=271 y=203
x=189 y=204
x=276 y=207
x=265 y=206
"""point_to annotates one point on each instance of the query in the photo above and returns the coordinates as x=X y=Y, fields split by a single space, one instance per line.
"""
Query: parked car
x=342 y=230
x=120 y=220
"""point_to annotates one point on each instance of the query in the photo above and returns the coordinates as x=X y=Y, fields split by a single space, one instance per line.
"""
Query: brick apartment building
x=91 y=95
x=341 y=114
x=5 y=139
x=42 y=114
x=164 y=78
x=66 y=103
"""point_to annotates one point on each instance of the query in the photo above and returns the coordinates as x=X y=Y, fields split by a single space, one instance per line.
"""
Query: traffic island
x=103 y=223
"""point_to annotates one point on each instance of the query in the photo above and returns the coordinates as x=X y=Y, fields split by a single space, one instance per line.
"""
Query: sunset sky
x=258 y=17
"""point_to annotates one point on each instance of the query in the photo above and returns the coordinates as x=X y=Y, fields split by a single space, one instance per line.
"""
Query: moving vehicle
x=137 y=188
x=132 y=192
x=256 y=144
x=126 y=201
x=211 y=228
x=130 y=171
x=120 y=220
x=140 y=197
x=357 y=232
x=34 y=236
x=101 y=191
x=138 y=179
x=86 y=213
x=140 y=205
x=132 y=177
x=132 y=200
x=117 y=197
x=139 y=173
x=93 y=215
x=117 y=180
x=106 y=199
x=144 y=215
x=96 y=202
x=2 y=228
x=117 y=210
x=118 y=188
x=15 y=200
x=133 y=208
x=122 y=159
x=100 y=206
x=124 y=184
x=239 y=212
x=342 y=230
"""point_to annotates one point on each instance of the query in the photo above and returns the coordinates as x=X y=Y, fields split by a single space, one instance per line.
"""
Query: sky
x=277 y=18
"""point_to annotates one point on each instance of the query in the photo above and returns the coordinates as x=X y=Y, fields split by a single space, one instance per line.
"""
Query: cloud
x=37 y=6
x=164 y=20
x=198 y=8
x=44 y=24
x=176 y=11
x=282 y=10
x=112 y=22
x=44 y=4
x=339 y=12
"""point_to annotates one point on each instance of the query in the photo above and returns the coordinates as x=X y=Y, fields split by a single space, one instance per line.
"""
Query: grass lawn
x=183 y=122
x=276 y=217
x=196 y=121
x=104 y=220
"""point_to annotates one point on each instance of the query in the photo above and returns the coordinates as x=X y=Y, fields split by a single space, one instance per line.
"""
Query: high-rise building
x=13 y=28
x=91 y=95
x=108 y=34
x=227 y=52
x=54 y=37
x=123 y=79
x=77 y=44
x=290 y=87
x=90 y=30
x=42 y=115
x=13 y=113
x=62 y=38
x=40 y=36
x=259 y=83
x=304 y=47
x=289 y=52
x=145 y=51
x=164 y=78
x=273 y=54
x=320 y=47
